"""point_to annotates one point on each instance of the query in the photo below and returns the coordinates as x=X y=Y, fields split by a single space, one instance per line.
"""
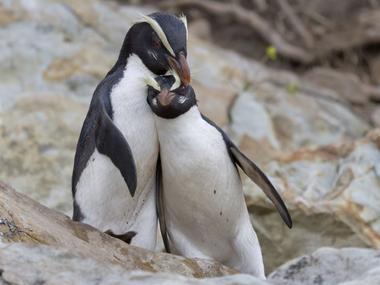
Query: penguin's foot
x=127 y=237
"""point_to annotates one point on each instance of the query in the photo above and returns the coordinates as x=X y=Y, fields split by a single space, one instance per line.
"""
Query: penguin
x=200 y=200
x=113 y=181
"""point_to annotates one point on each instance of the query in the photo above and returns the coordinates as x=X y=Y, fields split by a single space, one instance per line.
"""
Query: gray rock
x=24 y=220
x=25 y=264
x=290 y=119
x=54 y=52
x=328 y=266
x=333 y=195
x=39 y=264
x=61 y=47
x=38 y=137
x=375 y=117
x=346 y=85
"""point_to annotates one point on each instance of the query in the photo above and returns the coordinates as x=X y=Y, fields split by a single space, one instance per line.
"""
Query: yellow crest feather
x=160 y=33
x=183 y=18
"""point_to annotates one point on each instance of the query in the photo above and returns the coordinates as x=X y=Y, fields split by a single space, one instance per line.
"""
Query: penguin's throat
x=130 y=93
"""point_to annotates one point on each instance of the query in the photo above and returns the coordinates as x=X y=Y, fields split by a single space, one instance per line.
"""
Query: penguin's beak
x=180 y=65
x=165 y=97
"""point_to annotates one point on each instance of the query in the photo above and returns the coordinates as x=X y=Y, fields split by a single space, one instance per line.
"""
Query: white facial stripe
x=156 y=27
x=177 y=81
x=150 y=81
x=183 y=18
x=153 y=83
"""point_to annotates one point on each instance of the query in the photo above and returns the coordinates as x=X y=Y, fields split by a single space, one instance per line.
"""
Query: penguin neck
x=182 y=122
x=129 y=96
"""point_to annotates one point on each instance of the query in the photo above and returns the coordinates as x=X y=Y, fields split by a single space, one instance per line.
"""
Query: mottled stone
x=347 y=85
x=333 y=196
x=23 y=264
x=24 y=220
x=8 y=16
x=374 y=66
x=38 y=137
x=375 y=117
x=201 y=29
x=53 y=53
x=328 y=266
x=289 y=120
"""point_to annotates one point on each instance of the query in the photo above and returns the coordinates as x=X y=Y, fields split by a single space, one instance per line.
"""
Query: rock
x=333 y=196
x=376 y=117
x=25 y=264
x=201 y=29
x=290 y=117
x=8 y=16
x=53 y=53
x=60 y=251
x=346 y=85
x=39 y=136
x=61 y=47
x=39 y=264
x=374 y=66
x=287 y=111
x=328 y=266
x=24 y=220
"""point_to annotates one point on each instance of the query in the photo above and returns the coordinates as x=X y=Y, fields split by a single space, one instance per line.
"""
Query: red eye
x=156 y=43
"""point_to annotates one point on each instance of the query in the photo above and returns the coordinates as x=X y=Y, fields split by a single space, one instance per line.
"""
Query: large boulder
x=38 y=137
x=42 y=246
x=24 y=220
x=314 y=147
x=25 y=264
x=333 y=194
x=328 y=266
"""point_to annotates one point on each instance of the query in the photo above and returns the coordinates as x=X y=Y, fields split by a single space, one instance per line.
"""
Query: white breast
x=202 y=188
x=132 y=115
x=102 y=193
x=204 y=205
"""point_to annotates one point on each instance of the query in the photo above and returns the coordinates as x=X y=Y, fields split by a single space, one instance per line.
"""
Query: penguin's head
x=160 y=41
x=167 y=102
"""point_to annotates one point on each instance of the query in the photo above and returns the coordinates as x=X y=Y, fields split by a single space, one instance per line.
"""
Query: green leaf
x=271 y=52
x=292 y=88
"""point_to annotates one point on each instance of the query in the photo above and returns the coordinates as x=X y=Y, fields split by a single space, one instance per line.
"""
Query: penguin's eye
x=156 y=42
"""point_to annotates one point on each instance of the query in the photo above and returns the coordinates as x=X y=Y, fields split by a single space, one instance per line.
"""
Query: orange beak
x=181 y=66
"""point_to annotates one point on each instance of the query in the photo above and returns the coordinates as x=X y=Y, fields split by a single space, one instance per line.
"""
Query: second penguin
x=201 y=204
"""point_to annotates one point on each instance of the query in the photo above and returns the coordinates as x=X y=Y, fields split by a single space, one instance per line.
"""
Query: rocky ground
x=321 y=155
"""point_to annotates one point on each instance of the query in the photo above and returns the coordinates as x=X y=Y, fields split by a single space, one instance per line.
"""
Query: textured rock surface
x=329 y=266
x=23 y=264
x=333 y=193
x=38 y=136
x=24 y=220
x=316 y=151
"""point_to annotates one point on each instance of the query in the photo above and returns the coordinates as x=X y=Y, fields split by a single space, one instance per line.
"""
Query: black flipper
x=160 y=205
x=127 y=237
x=111 y=142
x=255 y=174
